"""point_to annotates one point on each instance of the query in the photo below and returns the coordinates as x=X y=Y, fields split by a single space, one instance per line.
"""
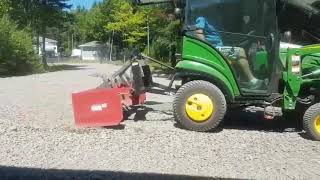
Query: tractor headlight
x=296 y=64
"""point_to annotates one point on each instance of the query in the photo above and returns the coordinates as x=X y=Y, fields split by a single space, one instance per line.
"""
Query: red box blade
x=97 y=108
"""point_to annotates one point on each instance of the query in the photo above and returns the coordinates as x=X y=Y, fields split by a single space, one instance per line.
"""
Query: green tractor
x=232 y=56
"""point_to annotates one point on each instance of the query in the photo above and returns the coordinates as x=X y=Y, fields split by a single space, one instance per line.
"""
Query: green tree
x=86 y=25
x=38 y=15
x=168 y=38
x=98 y=16
x=4 y=7
x=50 y=13
x=16 y=50
x=127 y=23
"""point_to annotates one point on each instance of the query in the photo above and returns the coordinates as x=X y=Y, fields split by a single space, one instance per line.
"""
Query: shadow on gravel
x=66 y=67
x=51 y=68
x=18 y=173
x=140 y=113
x=249 y=121
x=235 y=119
x=306 y=136
x=152 y=103
x=238 y=119
x=119 y=127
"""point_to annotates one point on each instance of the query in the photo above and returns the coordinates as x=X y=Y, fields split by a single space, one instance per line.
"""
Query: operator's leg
x=245 y=67
x=237 y=57
x=254 y=83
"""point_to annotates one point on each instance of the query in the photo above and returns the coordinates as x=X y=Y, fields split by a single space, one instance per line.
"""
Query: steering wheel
x=248 y=39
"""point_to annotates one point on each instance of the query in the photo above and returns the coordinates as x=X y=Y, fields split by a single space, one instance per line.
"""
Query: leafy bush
x=17 y=55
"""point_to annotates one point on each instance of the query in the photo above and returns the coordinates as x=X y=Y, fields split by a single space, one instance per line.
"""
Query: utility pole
x=148 y=27
x=111 y=46
x=44 y=32
x=44 y=61
x=72 y=42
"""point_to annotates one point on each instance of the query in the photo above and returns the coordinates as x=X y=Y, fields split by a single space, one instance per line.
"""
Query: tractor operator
x=237 y=55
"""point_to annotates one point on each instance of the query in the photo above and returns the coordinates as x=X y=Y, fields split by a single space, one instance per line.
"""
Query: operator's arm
x=200 y=34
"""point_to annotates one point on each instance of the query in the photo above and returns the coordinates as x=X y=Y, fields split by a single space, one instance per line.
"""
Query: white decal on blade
x=98 y=107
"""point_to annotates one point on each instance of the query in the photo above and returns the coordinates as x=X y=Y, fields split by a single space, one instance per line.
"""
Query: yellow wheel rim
x=317 y=124
x=199 y=107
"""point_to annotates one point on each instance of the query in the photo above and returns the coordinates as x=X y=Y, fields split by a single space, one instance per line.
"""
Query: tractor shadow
x=139 y=113
x=304 y=135
x=241 y=120
x=254 y=121
x=235 y=119
x=118 y=127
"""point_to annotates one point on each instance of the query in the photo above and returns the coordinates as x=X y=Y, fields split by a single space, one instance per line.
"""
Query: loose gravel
x=37 y=131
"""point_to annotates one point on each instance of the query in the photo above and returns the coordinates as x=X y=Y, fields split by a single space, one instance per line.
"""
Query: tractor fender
x=217 y=80
x=206 y=61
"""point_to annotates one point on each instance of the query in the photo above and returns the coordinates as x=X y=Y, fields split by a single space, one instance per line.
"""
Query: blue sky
x=86 y=3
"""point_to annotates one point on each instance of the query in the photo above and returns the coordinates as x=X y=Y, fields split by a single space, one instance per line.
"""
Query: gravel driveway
x=36 y=131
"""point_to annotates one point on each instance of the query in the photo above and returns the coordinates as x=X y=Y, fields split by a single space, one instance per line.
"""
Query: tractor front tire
x=199 y=106
x=311 y=122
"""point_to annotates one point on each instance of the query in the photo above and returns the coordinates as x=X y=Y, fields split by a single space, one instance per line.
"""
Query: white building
x=94 y=50
x=76 y=53
x=51 y=47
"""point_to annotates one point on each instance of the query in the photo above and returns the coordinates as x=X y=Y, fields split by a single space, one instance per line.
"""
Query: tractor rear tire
x=199 y=106
x=311 y=122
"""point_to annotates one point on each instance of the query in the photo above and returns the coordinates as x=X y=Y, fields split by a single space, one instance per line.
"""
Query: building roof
x=48 y=40
x=92 y=44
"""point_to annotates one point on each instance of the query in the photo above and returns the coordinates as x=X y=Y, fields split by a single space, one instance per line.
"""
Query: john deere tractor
x=232 y=56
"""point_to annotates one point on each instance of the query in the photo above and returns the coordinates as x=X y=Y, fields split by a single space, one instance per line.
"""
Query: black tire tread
x=308 y=121
x=199 y=83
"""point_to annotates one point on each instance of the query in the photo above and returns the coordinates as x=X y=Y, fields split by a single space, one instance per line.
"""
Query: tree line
x=111 y=21
x=21 y=22
x=126 y=25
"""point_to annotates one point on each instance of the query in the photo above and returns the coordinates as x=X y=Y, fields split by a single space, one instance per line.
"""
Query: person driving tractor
x=237 y=55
